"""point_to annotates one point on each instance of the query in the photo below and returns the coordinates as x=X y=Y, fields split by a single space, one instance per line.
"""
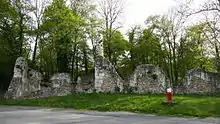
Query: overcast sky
x=137 y=11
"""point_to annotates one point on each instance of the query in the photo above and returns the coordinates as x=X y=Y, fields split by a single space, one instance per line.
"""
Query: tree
x=84 y=33
x=192 y=51
x=209 y=6
x=39 y=7
x=60 y=25
x=14 y=22
x=211 y=11
x=22 y=9
x=94 y=34
x=118 y=46
x=110 y=11
x=8 y=43
x=133 y=36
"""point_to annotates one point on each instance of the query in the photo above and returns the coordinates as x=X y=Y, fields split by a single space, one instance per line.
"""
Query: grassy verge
x=196 y=106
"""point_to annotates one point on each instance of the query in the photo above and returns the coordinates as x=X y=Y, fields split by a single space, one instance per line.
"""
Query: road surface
x=34 y=115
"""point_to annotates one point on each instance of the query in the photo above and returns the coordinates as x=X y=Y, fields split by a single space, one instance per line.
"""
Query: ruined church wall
x=26 y=83
x=148 y=79
x=85 y=84
x=18 y=86
x=106 y=77
x=198 y=81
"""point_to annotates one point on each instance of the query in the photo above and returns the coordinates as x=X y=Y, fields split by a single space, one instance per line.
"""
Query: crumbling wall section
x=26 y=83
x=19 y=83
x=198 y=81
x=86 y=83
x=106 y=77
x=148 y=79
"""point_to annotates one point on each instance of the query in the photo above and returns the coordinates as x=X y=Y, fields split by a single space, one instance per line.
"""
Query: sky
x=137 y=11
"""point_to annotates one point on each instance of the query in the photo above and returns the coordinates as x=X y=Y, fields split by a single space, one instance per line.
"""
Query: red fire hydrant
x=169 y=95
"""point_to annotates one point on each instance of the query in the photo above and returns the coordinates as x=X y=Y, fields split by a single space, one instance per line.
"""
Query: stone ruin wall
x=27 y=83
x=198 y=81
x=85 y=84
x=148 y=78
x=106 y=77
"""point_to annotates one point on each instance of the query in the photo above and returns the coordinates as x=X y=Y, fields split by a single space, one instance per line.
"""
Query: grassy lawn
x=197 y=106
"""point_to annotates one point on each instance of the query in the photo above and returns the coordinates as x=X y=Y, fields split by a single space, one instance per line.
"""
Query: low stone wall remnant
x=26 y=83
x=198 y=81
x=85 y=84
x=148 y=79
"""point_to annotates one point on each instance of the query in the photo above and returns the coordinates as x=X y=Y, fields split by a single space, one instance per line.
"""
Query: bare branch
x=110 y=10
x=212 y=5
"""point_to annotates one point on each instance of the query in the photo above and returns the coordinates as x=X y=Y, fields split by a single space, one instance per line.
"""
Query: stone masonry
x=34 y=79
x=85 y=83
x=148 y=78
x=106 y=77
x=26 y=83
x=19 y=82
x=198 y=81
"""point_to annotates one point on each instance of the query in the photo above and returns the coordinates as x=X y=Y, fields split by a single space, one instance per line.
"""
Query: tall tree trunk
x=175 y=72
x=132 y=59
x=77 y=67
x=93 y=48
x=21 y=34
x=36 y=44
x=73 y=61
x=73 y=76
x=216 y=50
x=85 y=60
x=217 y=56
x=171 y=65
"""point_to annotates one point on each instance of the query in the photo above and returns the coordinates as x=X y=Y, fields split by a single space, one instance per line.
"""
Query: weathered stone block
x=19 y=83
x=26 y=83
x=198 y=81
x=148 y=78
x=60 y=80
x=86 y=83
x=35 y=79
x=106 y=77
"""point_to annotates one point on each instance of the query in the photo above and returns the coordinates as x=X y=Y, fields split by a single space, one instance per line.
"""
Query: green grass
x=196 y=106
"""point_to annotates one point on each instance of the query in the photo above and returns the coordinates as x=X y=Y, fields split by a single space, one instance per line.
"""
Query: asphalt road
x=34 y=115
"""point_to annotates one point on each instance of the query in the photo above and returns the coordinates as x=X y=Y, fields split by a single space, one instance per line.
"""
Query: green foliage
x=194 y=106
x=61 y=24
x=66 y=39
x=115 y=47
x=148 y=48
x=14 y=22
